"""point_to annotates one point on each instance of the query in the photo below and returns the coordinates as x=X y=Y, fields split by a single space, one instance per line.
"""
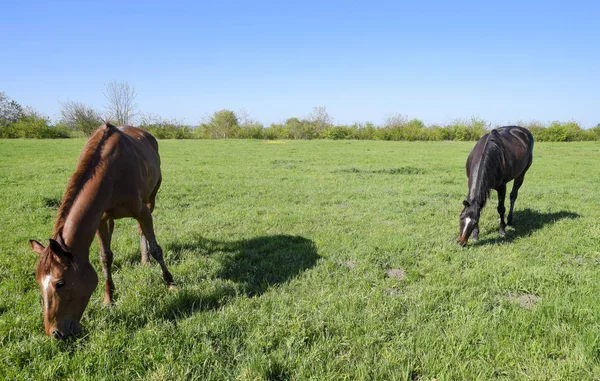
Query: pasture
x=325 y=260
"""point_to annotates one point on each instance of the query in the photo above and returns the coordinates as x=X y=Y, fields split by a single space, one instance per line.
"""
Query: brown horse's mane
x=87 y=165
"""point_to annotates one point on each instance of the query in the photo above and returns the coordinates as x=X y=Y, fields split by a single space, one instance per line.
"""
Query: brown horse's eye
x=60 y=283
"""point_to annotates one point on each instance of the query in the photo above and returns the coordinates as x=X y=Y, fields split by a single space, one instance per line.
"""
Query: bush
x=33 y=126
x=365 y=131
x=169 y=131
x=277 y=131
x=467 y=130
x=341 y=132
x=164 y=128
x=561 y=132
x=24 y=122
x=437 y=133
x=250 y=131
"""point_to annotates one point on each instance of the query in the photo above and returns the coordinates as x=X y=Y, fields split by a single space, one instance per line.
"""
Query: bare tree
x=120 y=98
x=395 y=120
x=79 y=117
x=245 y=120
x=320 y=118
x=243 y=117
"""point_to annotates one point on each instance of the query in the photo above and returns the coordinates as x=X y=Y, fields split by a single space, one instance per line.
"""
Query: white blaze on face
x=467 y=222
x=45 y=285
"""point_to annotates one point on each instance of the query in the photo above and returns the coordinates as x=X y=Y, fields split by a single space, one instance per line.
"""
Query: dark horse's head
x=469 y=218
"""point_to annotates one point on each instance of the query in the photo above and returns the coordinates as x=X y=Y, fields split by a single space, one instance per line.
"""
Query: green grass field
x=324 y=260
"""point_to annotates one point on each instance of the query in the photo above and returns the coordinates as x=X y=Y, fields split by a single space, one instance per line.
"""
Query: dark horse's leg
x=475 y=233
x=501 y=209
x=513 y=197
x=146 y=225
x=104 y=233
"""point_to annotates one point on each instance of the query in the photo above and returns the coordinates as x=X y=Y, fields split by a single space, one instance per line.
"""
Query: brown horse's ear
x=36 y=246
x=58 y=246
x=466 y=203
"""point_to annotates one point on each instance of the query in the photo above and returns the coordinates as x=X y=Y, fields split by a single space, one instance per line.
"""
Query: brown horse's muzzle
x=462 y=240
x=70 y=328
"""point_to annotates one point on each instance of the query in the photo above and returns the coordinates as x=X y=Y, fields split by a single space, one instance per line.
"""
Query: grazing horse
x=117 y=176
x=497 y=158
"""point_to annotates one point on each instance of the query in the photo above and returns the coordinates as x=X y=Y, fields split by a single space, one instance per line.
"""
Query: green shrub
x=251 y=131
x=277 y=131
x=467 y=130
x=561 y=132
x=365 y=131
x=33 y=126
x=169 y=131
x=341 y=132
x=437 y=133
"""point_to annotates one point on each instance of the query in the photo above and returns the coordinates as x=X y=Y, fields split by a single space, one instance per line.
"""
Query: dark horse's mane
x=490 y=166
x=87 y=165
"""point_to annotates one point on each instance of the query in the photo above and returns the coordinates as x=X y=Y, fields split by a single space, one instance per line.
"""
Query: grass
x=326 y=260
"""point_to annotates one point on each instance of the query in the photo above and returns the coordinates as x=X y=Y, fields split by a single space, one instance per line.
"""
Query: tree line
x=80 y=120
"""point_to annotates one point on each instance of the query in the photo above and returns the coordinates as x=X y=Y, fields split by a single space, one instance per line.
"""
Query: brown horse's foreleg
x=501 y=209
x=146 y=224
x=104 y=233
x=513 y=197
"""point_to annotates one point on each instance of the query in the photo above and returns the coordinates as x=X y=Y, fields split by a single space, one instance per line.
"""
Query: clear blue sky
x=433 y=60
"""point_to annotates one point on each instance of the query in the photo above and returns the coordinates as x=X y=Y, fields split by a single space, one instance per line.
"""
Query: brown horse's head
x=66 y=287
x=469 y=220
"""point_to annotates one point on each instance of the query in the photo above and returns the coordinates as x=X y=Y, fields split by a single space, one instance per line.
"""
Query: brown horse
x=502 y=155
x=117 y=175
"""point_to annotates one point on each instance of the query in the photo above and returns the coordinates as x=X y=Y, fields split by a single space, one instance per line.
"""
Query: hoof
x=172 y=287
x=502 y=233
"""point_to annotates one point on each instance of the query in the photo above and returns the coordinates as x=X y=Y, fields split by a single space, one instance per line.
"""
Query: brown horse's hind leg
x=146 y=224
x=513 y=196
x=104 y=234
x=501 y=209
x=144 y=245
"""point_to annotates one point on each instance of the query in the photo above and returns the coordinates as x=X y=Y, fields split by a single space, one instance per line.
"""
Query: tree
x=299 y=129
x=320 y=118
x=395 y=121
x=10 y=111
x=79 y=117
x=120 y=98
x=223 y=124
x=244 y=118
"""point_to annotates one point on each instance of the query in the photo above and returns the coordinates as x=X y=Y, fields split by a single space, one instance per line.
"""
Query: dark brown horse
x=117 y=176
x=502 y=155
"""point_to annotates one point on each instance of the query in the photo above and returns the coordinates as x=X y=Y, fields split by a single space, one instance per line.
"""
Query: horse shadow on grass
x=247 y=267
x=526 y=222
